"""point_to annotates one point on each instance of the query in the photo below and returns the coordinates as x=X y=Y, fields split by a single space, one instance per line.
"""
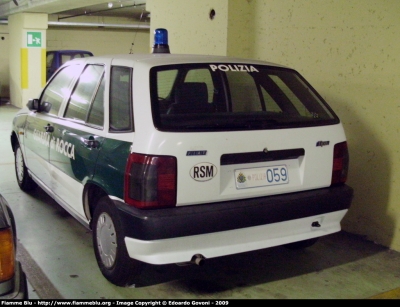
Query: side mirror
x=33 y=104
x=45 y=107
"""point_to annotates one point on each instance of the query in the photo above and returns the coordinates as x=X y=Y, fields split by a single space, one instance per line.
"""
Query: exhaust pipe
x=198 y=259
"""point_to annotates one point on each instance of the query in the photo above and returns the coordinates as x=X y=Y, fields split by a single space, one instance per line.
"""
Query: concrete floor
x=57 y=256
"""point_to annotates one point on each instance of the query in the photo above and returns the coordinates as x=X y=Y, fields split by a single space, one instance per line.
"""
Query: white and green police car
x=179 y=158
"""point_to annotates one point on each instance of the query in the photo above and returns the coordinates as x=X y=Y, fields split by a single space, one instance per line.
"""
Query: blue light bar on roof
x=160 y=41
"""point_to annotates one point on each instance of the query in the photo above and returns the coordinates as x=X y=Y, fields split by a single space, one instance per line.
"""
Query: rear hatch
x=242 y=130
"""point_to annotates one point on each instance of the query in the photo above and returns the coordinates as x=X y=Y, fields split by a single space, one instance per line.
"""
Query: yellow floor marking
x=392 y=294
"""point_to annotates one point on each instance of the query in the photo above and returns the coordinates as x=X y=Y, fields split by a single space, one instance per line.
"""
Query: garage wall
x=100 y=41
x=190 y=29
x=349 y=50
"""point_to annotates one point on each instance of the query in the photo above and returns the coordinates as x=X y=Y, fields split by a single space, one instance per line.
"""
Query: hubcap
x=106 y=240
x=19 y=165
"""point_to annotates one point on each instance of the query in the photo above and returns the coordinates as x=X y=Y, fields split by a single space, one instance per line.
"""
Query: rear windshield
x=231 y=97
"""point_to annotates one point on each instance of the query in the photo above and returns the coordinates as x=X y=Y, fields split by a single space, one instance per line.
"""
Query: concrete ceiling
x=70 y=8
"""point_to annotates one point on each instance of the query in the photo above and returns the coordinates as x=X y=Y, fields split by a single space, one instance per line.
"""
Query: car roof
x=167 y=58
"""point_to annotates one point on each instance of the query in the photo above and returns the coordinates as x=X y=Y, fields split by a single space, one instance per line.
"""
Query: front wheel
x=25 y=181
x=109 y=246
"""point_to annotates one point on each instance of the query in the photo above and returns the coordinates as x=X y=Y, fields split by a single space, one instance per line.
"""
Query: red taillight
x=150 y=181
x=340 y=163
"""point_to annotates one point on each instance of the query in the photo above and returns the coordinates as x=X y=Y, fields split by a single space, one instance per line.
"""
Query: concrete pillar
x=27 y=56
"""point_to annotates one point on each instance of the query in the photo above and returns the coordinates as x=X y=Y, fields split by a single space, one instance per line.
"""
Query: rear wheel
x=301 y=244
x=25 y=181
x=109 y=246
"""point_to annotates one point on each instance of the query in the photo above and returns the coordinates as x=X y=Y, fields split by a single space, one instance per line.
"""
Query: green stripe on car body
x=110 y=166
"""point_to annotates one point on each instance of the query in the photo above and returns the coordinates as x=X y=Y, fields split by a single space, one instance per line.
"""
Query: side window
x=85 y=89
x=244 y=93
x=165 y=81
x=96 y=112
x=49 y=60
x=65 y=58
x=59 y=88
x=202 y=75
x=297 y=103
x=270 y=104
x=120 y=99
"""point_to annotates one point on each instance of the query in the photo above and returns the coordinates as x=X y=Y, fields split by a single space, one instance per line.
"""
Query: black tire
x=24 y=181
x=109 y=246
x=301 y=244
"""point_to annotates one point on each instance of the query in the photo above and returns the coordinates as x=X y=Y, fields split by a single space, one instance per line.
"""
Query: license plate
x=261 y=176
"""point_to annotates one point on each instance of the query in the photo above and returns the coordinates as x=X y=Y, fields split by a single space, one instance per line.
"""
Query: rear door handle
x=91 y=142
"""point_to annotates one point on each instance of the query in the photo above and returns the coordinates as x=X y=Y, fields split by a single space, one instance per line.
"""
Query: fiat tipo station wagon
x=175 y=159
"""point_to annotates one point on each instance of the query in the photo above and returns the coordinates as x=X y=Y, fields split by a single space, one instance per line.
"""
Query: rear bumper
x=210 y=245
x=160 y=224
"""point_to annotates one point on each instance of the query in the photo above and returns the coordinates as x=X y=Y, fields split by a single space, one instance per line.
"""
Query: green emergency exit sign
x=34 y=39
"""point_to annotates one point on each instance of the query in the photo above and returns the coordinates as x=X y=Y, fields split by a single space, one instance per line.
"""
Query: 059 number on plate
x=261 y=176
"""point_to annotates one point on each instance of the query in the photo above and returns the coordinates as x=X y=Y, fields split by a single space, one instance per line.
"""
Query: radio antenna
x=134 y=38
